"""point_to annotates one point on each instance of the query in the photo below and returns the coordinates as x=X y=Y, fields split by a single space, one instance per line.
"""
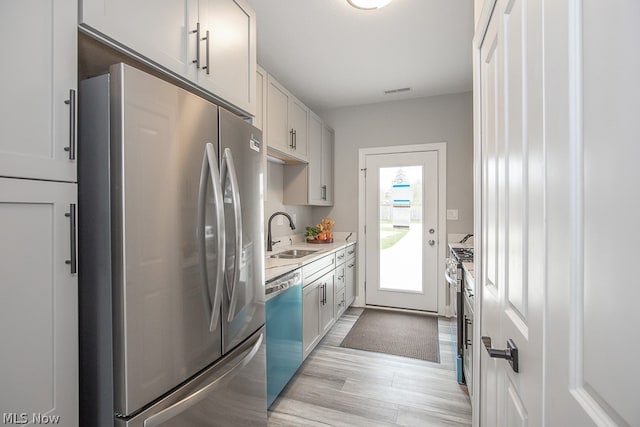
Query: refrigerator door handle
x=229 y=171
x=196 y=397
x=210 y=168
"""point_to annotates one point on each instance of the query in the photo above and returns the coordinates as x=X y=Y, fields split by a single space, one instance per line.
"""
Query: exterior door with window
x=402 y=230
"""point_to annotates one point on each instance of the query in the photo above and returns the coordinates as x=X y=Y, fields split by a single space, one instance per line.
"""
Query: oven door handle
x=450 y=279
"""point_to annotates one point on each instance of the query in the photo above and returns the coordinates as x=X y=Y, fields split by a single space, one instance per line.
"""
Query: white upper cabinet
x=320 y=173
x=327 y=184
x=163 y=32
x=299 y=123
x=277 y=116
x=259 y=120
x=315 y=164
x=312 y=183
x=38 y=39
x=210 y=43
x=229 y=51
x=287 y=123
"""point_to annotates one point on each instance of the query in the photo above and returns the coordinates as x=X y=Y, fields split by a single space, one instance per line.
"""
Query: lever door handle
x=510 y=353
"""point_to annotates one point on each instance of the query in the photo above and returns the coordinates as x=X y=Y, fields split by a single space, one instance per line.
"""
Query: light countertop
x=460 y=245
x=275 y=267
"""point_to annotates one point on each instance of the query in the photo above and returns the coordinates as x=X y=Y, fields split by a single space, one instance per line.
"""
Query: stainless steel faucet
x=269 y=241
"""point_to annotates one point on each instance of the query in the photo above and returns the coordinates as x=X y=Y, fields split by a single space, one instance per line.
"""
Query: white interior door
x=558 y=207
x=402 y=230
x=512 y=216
x=593 y=207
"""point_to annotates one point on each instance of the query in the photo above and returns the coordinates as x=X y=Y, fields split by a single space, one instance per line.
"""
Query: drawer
x=315 y=269
x=341 y=256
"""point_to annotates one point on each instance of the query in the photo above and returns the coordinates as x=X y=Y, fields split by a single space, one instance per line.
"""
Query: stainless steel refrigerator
x=171 y=269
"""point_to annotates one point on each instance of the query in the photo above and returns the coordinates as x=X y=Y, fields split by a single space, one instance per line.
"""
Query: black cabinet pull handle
x=510 y=353
x=73 y=262
x=467 y=322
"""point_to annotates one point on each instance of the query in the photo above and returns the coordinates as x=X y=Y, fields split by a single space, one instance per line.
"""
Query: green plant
x=311 y=231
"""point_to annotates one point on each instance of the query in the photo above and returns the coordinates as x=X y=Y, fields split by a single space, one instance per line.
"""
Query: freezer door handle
x=229 y=172
x=212 y=296
x=199 y=395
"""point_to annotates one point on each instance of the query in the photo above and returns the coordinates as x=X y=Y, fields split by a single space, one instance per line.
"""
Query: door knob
x=510 y=353
x=432 y=242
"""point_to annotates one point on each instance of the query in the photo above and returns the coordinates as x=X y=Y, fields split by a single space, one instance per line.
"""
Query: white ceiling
x=331 y=55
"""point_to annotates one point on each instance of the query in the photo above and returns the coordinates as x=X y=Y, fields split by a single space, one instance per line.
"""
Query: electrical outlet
x=452 y=214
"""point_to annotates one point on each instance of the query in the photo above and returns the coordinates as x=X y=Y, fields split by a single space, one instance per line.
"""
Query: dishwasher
x=284 y=331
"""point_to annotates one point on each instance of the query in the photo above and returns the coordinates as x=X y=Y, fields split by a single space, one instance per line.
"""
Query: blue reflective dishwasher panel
x=284 y=338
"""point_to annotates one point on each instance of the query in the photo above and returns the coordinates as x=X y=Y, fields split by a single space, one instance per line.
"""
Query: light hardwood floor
x=338 y=386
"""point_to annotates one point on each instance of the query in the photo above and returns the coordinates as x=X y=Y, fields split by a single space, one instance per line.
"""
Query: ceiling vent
x=402 y=89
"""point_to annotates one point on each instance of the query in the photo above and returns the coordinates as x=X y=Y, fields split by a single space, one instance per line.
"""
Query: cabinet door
x=231 y=59
x=328 y=138
x=38 y=40
x=340 y=302
x=299 y=122
x=278 y=135
x=315 y=191
x=259 y=120
x=311 y=300
x=160 y=31
x=39 y=316
x=327 y=307
x=340 y=276
x=350 y=280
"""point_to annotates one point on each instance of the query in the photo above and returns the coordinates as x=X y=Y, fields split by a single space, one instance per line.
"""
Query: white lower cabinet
x=328 y=289
x=310 y=318
x=317 y=301
x=39 y=294
x=317 y=310
x=340 y=302
x=326 y=303
x=350 y=275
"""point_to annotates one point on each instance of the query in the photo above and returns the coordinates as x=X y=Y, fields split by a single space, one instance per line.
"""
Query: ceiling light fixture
x=368 y=4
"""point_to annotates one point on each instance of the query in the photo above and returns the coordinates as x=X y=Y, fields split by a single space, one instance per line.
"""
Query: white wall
x=446 y=118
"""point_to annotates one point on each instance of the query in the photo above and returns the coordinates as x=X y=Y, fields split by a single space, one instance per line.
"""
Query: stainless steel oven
x=467 y=336
x=454 y=275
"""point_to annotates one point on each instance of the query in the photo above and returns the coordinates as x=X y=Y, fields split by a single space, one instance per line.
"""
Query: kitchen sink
x=292 y=254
